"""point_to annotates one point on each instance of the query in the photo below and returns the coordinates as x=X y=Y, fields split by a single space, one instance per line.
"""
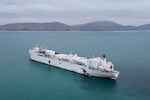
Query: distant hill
x=57 y=26
x=144 y=27
x=53 y=26
x=98 y=26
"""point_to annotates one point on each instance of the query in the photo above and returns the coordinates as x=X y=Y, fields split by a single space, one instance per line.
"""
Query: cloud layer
x=127 y=12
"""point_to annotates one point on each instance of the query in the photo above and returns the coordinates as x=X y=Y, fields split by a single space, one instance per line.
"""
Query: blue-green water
x=22 y=79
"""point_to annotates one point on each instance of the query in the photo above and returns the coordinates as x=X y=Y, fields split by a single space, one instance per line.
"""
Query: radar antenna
x=104 y=56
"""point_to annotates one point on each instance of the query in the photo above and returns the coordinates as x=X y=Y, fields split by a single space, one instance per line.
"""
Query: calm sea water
x=22 y=79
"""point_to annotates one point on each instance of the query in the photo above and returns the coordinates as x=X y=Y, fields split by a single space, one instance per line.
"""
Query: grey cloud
x=74 y=11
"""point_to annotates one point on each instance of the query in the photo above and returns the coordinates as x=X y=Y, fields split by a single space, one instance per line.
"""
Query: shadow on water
x=85 y=83
x=98 y=84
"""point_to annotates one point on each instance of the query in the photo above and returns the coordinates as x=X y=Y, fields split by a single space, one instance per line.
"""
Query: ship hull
x=81 y=69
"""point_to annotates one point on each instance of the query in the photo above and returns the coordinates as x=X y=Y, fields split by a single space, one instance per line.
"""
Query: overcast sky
x=126 y=12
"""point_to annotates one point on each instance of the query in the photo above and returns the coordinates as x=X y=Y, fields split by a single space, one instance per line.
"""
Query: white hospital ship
x=97 y=66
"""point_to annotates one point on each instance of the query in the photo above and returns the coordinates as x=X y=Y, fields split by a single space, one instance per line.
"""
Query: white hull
x=81 y=69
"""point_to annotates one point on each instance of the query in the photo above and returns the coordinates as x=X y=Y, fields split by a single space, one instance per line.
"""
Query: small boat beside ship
x=97 y=66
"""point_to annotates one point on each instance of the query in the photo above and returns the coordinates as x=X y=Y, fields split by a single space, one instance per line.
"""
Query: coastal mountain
x=98 y=26
x=53 y=26
x=57 y=26
x=144 y=27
